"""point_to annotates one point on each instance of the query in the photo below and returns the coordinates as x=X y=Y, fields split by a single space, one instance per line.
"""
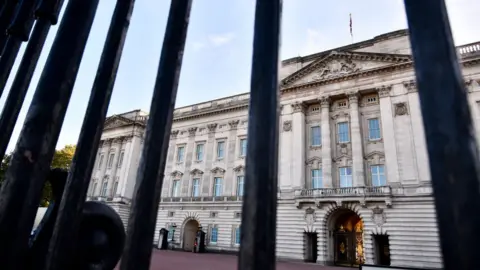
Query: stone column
x=229 y=181
x=420 y=143
x=117 y=142
x=103 y=169
x=122 y=185
x=209 y=155
x=168 y=168
x=326 y=143
x=357 y=142
x=190 y=151
x=285 y=150
x=388 y=134
x=298 y=150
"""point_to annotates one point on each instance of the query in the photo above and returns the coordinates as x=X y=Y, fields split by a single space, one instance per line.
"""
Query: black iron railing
x=449 y=133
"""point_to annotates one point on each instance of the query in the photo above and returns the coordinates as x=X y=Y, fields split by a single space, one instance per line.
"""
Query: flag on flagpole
x=351 y=31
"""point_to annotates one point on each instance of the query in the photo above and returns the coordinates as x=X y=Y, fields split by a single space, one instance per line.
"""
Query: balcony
x=469 y=50
x=361 y=195
x=203 y=199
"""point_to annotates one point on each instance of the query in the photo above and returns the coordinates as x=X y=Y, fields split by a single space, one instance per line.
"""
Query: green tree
x=61 y=159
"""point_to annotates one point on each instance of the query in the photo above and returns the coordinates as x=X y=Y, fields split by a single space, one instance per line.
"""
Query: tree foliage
x=61 y=159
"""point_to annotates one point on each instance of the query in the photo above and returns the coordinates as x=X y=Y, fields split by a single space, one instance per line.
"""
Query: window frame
x=379 y=130
x=215 y=186
x=182 y=146
x=339 y=138
x=220 y=142
x=320 y=176
x=349 y=176
x=242 y=178
x=175 y=188
x=195 y=179
x=378 y=166
x=312 y=137
x=197 y=152
x=243 y=149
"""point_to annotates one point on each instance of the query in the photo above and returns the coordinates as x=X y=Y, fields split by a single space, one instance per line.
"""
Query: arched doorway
x=189 y=233
x=347 y=233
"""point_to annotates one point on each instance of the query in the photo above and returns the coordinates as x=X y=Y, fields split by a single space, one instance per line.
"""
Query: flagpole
x=351 y=28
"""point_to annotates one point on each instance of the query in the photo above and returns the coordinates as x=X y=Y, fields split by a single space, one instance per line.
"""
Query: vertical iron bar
x=6 y=15
x=24 y=180
x=17 y=32
x=19 y=88
x=141 y=224
x=60 y=254
x=259 y=210
x=452 y=147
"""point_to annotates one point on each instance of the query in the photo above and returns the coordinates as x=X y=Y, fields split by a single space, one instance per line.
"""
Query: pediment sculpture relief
x=335 y=68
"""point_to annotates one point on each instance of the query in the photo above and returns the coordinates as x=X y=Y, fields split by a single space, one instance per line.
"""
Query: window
x=199 y=152
x=217 y=187
x=346 y=177
x=240 y=184
x=110 y=160
x=373 y=129
x=317 y=178
x=237 y=236
x=378 y=175
x=343 y=134
x=176 y=188
x=195 y=187
x=120 y=159
x=220 y=149
x=104 y=189
x=100 y=161
x=316 y=136
x=243 y=147
x=180 y=153
x=214 y=235
x=115 y=187
x=342 y=104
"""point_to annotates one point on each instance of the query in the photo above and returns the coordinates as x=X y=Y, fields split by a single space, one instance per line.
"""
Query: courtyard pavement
x=178 y=260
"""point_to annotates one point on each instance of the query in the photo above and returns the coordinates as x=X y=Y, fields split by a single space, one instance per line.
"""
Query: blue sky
x=219 y=47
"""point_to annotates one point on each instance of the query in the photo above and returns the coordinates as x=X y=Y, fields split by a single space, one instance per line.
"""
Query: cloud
x=220 y=40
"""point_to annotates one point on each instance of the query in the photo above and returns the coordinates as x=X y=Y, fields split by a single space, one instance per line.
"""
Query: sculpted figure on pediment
x=335 y=68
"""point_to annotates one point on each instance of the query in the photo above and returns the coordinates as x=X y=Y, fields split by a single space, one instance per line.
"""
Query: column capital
x=384 y=91
x=174 y=134
x=233 y=124
x=212 y=127
x=192 y=131
x=411 y=86
x=353 y=97
x=325 y=102
x=299 y=107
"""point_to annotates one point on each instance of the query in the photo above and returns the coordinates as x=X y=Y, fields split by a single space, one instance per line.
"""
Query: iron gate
x=451 y=145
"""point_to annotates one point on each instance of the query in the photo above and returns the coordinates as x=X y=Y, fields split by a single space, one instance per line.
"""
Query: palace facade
x=354 y=183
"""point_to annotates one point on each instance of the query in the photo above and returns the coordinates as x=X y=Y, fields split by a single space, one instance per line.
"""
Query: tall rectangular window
x=373 y=129
x=316 y=136
x=120 y=159
x=378 y=175
x=104 y=189
x=317 y=179
x=180 y=153
x=94 y=189
x=220 y=149
x=176 y=188
x=195 y=187
x=199 y=152
x=343 y=132
x=240 y=184
x=110 y=160
x=217 y=186
x=213 y=235
x=237 y=236
x=346 y=177
x=100 y=161
x=243 y=147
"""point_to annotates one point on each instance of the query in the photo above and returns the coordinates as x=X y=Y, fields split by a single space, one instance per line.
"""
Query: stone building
x=354 y=183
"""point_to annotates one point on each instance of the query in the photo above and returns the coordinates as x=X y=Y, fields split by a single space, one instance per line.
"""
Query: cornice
x=218 y=109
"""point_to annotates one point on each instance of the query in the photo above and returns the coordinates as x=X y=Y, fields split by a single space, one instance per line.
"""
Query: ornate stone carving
x=401 y=108
x=287 y=125
x=411 y=86
x=101 y=143
x=384 y=91
x=192 y=131
x=335 y=68
x=233 y=124
x=239 y=168
x=196 y=172
x=174 y=134
x=310 y=217
x=378 y=216
x=469 y=85
x=212 y=127
x=115 y=122
x=218 y=170
x=299 y=107
x=176 y=174
x=325 y=102
x=343 y=149
x=353 y=97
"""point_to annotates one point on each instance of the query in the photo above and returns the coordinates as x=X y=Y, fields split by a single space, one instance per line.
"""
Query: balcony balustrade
x=204 y=199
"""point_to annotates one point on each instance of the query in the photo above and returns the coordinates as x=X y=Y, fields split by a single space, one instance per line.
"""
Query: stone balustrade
x=204 y=199
x=344 y=192
x=471 y=49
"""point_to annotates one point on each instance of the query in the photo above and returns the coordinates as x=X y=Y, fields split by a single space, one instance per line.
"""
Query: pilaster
x=298 y=151
x=326 y=143
x=117 y=142
x=122 y=185
x=386 y=112
x=103 y=169
x=209 y=151
x=188 y=161
x=229 y=181
x=357 y=143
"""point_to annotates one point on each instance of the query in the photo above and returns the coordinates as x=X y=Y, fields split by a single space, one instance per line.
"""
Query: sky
x=218 y=51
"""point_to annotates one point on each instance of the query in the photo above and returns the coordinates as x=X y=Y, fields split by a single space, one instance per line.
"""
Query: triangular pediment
x=176 y=174
x=196 y=172
x=116 y=121
x=337 y=65
x=313 y=160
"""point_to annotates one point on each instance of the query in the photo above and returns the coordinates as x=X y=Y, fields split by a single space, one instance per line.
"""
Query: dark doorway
x=382 y=250
x=348 y=240
x=311 y=247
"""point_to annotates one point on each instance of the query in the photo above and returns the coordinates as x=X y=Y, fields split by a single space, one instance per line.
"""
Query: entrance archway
x=346 y=244
x=189 y=233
